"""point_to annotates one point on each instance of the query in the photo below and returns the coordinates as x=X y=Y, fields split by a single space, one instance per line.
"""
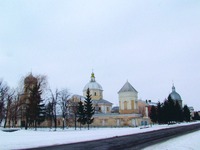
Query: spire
x=92 y=77
x=173 y=88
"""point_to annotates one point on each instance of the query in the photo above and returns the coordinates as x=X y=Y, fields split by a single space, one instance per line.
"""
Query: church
x=101 y=105
x=175 y=96
x=128 y=106
x=132 y=112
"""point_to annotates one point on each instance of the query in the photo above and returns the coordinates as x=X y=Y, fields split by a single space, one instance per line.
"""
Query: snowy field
x=43 y=137
x=189 y=141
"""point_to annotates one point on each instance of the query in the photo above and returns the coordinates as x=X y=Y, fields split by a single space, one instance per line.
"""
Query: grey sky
x=150 y=43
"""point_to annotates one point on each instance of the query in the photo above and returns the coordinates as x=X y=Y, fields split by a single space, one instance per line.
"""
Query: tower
x=128 y=97
x=29 y=82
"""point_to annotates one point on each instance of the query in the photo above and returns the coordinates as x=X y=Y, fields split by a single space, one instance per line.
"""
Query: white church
x=128 y=115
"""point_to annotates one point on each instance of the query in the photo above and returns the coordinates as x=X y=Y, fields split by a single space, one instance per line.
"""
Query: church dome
x=93 y=85
x=174 y=95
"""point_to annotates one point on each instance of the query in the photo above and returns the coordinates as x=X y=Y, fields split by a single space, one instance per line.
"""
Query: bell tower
x=128 y=99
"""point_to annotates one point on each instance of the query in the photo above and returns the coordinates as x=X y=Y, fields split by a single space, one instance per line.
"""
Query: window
x=145 y=123
x=99 y=109
x=108 y=109
x=142 y=123
x=132 y=104
x=125 y=105
x=95 y=94
x=118 y=122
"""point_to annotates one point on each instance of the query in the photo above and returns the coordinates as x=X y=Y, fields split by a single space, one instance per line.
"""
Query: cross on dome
x=92 y=77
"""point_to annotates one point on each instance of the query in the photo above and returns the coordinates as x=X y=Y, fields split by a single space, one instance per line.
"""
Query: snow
x=186 y=142
x=42 y=137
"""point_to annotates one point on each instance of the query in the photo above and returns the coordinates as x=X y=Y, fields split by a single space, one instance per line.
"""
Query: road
x=129 y=142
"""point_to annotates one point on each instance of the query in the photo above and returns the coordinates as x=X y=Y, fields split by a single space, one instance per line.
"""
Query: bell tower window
x=125 y=105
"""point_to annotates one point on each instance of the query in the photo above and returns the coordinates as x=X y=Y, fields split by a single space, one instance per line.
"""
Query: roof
x=102 y=101
x=127 y=88
x=93 y=84
x=80 y=97
x=174 y=95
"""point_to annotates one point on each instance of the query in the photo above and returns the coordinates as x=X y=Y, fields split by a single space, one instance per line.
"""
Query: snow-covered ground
x=43 y=137
x=189 y=141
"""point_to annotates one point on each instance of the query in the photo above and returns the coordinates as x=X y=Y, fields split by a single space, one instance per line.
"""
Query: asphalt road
x=129 y=142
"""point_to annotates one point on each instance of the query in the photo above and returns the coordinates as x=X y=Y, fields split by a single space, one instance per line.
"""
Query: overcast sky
x=150 y=43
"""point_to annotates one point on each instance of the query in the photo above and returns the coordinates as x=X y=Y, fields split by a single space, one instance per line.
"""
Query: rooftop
x=127 y=88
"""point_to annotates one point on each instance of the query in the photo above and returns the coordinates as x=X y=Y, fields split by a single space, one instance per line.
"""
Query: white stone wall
x=106 y=108
x=127 y=97
x=96 y=94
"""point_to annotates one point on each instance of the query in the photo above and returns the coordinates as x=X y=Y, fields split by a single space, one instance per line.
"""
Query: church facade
x=128 y=107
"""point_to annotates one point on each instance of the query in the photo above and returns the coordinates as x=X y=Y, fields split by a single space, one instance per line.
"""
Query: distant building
x=143 y=108
x=115 y=109
x=175 y=96
x=150 y=104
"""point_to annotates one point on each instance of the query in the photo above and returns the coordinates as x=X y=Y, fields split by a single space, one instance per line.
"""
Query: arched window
x=125 y=105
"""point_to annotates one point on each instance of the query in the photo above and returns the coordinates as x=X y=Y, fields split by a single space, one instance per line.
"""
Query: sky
x=45 y=137
x=150 y=43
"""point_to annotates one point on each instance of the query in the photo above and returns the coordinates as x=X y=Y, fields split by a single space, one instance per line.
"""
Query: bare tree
x=54 y=98
x=74 y=111
x=63 y=102
x=15 y=110
x=8 y=110
x=3 y=94
x=49 y=113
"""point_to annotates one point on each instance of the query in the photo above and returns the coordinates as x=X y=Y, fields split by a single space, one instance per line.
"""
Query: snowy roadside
x=185 y=142
x=43 y=137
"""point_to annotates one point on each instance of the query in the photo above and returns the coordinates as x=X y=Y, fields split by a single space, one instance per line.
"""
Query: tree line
x=35 y=103
x=169 y=111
